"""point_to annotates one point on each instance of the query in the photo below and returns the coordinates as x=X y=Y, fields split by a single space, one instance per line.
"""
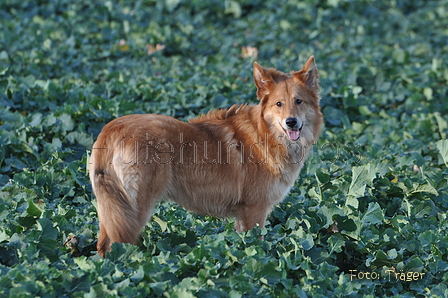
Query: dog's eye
x=298 y=101
x=278 y=104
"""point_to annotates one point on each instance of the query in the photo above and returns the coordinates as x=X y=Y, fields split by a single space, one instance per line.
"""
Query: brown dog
x=237 y=162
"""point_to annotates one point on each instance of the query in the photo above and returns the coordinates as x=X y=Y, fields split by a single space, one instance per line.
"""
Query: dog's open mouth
x=293 y=134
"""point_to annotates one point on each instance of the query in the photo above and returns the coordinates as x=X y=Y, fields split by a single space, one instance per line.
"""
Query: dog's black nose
x=291 y=122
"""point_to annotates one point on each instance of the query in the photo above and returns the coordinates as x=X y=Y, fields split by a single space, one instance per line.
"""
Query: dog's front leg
x=249 y=216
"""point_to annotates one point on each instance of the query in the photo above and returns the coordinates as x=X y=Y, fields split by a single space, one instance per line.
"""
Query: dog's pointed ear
x=309 y=75
x=262 y=80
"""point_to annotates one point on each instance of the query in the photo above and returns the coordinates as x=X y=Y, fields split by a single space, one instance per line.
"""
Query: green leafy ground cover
x=368 y=214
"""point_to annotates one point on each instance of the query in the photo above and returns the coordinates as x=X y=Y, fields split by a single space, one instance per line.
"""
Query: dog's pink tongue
x=293 y=135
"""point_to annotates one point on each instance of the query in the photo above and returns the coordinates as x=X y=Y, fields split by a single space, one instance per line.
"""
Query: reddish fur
x=132 y=166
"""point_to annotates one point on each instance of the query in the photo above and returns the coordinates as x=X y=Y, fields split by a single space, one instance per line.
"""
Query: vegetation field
x=367 y=216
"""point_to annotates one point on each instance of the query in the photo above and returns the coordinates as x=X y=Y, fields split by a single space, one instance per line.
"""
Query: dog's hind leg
x=119 y=217
x=103 y=243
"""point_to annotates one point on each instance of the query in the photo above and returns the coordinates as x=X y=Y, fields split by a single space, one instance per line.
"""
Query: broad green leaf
x=373 y=214
x=318 y=255
x=415 y=264
x=352 y=201
x=138 y=275
x=67 y=122
x=4 y=56
x=424 y=188
x=48 y=231
x=361 y=177
x=322 y=177
x=3 y=236
x=308 y=242
x=234 y=8
x=33 y=210
x=442 y=145
x=29 y=80
x=392 y=254
x=345 y=223
x=160 y=287
x=270 y=271
x=84 y=264
x=357 y=90
x=81 y=284
x=80 y=138
x=182 y=293
x=36 y=120
x=333 y=115
x=42 y=84
x=428 y=92
x=163 y=225
x=442 y=124
x=380 y=259
x=335 y=244
x=326 y=214
x=427 y=238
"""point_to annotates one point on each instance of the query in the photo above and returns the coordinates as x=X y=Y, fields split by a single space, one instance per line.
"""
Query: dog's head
x=290 y=103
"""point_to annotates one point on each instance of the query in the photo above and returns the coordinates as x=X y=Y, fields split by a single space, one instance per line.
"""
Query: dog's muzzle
x=292 y=130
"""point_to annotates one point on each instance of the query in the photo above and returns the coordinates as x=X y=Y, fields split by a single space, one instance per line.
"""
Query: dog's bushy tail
x=117 y=214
